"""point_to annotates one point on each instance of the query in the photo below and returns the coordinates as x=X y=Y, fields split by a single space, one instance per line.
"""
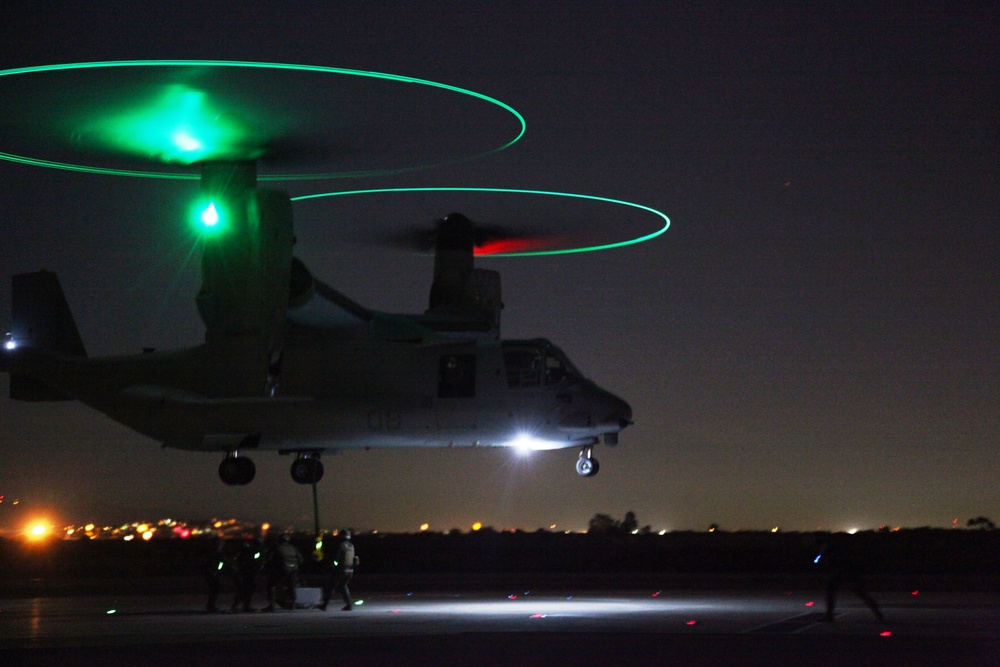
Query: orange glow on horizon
x=39 y=529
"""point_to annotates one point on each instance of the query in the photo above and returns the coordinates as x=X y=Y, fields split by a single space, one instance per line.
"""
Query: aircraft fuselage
x=333 y=394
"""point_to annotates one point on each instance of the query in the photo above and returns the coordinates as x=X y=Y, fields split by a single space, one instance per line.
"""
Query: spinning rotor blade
x=455 y=231
x=182 y=125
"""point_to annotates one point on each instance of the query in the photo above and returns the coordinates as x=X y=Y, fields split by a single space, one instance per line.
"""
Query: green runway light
x=534 y=253
x=182 y=127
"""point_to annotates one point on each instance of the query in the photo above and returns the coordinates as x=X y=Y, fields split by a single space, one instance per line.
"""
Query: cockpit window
x=555 y=370
x=533 y=363
x=523 y=367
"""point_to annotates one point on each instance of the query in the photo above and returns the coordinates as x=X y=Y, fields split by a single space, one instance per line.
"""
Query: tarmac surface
x=508 y=628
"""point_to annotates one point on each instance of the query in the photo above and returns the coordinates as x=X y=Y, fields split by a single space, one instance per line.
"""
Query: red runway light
x=885 y=633
x=810 y=603
x=691 y=622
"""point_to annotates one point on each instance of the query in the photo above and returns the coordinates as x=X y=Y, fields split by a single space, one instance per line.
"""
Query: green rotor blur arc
x=533 y=253
x=23 y=159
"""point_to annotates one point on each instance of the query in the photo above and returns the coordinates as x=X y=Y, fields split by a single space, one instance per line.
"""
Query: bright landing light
x=526 y=443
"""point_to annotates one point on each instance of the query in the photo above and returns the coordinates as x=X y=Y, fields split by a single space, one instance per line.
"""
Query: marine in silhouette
x=844 y=566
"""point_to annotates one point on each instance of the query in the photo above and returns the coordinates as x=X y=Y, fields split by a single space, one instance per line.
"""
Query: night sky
x=813 y=343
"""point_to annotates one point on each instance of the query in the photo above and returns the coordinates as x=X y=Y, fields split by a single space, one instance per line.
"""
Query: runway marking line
x=788 y=625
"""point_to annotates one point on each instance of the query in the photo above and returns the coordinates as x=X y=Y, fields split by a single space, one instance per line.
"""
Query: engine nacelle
x=246 y=257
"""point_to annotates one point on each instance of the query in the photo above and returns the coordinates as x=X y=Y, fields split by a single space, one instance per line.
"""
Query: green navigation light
x=210 y=216
x=534 y=253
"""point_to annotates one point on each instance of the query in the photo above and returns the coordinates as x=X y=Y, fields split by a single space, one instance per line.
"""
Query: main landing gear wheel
x=307 y=470
x=586 y=465
x=237 y=470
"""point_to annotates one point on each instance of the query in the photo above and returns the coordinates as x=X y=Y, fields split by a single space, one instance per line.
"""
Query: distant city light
x=165 y=529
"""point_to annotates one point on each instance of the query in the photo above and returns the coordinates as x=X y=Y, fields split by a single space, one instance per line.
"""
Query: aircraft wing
x=328 y=310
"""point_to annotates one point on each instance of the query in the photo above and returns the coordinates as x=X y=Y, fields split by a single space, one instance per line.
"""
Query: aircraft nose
x=615 y=413
x=596 y=411
x=621 y=411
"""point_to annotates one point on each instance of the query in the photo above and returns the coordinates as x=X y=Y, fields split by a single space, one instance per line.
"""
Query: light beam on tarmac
x=533 y=606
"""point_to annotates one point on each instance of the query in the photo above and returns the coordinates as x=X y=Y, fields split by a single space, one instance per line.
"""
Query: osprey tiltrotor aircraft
x=292 y=365
x=289 y=363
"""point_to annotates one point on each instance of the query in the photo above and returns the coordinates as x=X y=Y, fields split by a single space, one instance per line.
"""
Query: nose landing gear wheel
x=237 y=470
x=587 y=466
x=307 y=470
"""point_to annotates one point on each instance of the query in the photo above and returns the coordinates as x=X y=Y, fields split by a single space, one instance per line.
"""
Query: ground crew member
x=844 y=567
x=283 y=566
x=246 y=567
x=212 y=567
x=341 y=569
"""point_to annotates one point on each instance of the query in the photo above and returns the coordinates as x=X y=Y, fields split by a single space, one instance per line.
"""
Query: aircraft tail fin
x=41 y=319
